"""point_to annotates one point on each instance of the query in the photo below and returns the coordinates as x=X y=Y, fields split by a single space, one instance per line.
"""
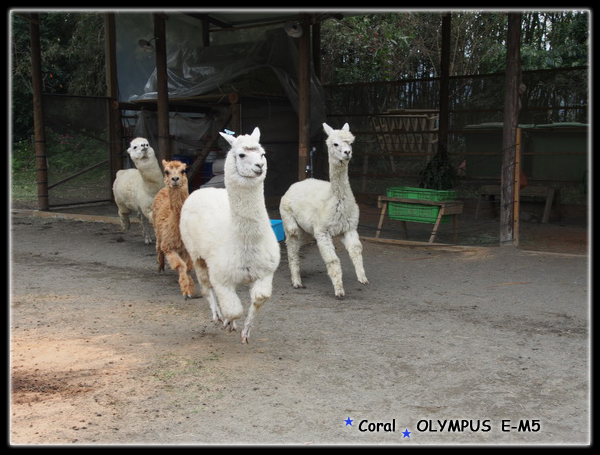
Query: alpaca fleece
x=322 y=210
x=166 y=212
x=228 y=234
x=134 y=189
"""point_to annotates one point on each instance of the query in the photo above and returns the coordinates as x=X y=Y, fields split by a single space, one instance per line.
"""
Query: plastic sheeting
x=194 y=71
x=187 y=133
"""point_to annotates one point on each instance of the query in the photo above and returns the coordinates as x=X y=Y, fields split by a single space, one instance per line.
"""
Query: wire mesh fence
x=77 y=149
x=389 y=153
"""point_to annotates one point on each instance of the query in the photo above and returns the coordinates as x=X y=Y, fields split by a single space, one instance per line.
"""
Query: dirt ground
x=470 y=346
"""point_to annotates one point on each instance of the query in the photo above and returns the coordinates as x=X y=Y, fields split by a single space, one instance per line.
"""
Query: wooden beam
x=38 y=113
x=303 y=96
x=517 y=187
x=162 y=90
x=509 y=131
x=444 y=86
x=115 y=128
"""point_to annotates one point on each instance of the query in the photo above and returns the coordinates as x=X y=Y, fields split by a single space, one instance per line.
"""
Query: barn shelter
x=180 y=76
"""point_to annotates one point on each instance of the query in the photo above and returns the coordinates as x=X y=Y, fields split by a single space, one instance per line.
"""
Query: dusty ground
x=104 y=350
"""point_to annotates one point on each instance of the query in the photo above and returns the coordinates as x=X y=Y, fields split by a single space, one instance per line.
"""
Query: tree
x=404 y=45
x=72 y=61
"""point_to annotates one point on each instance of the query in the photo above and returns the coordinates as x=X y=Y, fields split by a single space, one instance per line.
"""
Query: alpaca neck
x=151 y=174
x=338 y=177
x=177 y=197
x=248 y=210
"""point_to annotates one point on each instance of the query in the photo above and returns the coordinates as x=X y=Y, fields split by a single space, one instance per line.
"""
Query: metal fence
x=77 y=149
x=395 y=124
x=550 y=97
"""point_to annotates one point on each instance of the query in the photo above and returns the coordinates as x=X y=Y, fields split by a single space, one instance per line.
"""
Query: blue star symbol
x=406 y=434
x=348 y=421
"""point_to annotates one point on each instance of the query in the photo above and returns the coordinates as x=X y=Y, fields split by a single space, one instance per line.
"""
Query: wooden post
x=444 y=86
x=303 y=97
x=115 y=128
x=517 y=188
x=162 y=90
x=38 y=113
x=509 y=133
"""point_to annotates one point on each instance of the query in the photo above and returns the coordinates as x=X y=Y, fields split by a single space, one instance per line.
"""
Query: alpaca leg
x=146 y=230
x=124 y=219
x=207 y=289
x=230 y=304
x=334 y=268
x=293 y=244
x=160 y=256
x=259 y=293
x=185 y=284
x=160 y=259
x=354 y=247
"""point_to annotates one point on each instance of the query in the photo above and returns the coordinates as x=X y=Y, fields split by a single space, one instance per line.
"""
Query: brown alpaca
x=166 y=210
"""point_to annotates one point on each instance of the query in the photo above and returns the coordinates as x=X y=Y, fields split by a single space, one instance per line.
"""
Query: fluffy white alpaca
x=320 y=209
x=228 y=235
x=134 y=189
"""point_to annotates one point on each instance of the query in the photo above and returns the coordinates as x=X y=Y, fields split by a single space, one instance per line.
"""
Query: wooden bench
x=446 y=208
x=550 y=195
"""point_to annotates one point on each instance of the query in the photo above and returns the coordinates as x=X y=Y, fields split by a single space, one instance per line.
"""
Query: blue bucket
x=277 y=226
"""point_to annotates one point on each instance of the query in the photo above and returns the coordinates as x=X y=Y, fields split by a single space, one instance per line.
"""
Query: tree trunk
x=509 y=133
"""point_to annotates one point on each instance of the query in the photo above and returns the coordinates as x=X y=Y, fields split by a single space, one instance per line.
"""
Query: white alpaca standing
x=228 y=234
x=320 y=209
x=134 y=189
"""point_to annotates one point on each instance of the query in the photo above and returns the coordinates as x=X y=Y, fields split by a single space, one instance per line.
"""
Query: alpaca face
x=174 y=174
x=140 y=149
x=246 y=158
x=339 y=142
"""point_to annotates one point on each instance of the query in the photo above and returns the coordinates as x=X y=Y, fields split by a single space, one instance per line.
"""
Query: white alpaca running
x=134 y=189
x=228 y=234
x=323 y=210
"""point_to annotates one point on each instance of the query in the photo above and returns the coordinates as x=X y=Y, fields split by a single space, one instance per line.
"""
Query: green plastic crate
x=419 y=213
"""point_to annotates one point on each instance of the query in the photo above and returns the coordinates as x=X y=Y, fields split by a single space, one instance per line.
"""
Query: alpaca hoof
x=364 y=281
x=340 y=295
x=299 y=286
x=188 y=296
x=229 y=325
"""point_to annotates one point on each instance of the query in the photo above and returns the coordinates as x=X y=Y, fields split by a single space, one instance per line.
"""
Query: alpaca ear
x=327 y=129
x=346 y=127
x=255 y=134
x=164 y=163
x=228 y=138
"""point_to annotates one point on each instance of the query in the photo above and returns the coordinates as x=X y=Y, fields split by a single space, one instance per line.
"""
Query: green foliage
x=72 y=46
x=67 y=153
x=365 y=48
x=438 y=174
x=23 y=173
x=23 y=156
x=392 y=46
